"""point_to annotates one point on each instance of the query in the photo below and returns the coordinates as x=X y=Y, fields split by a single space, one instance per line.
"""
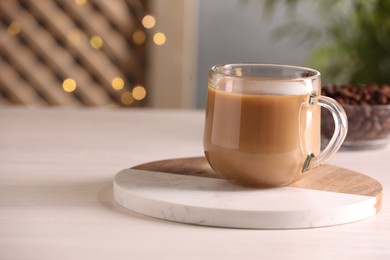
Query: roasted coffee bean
x=340 y=100
x=350 y=94
x=367 y=97
x=347 y=93
x=367 y=119
x=382 y=100
x=371 y=87
x=385 y=90
x=330 y=90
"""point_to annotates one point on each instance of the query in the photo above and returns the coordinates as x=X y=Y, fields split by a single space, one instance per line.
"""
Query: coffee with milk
x=260 y=130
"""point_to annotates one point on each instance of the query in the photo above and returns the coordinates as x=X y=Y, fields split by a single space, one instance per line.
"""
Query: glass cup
x=263 y=121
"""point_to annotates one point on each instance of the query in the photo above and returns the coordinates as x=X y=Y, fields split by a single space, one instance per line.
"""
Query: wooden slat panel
x=4 y=102
x=138 y=7
x=94 y=60
x=20 y=91
x=40 y=57
x=95 y=24
x=119 y=15
x=57 y=57
x=39 y=76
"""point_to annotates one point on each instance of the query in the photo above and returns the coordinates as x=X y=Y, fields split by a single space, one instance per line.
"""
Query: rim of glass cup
x=316 y=74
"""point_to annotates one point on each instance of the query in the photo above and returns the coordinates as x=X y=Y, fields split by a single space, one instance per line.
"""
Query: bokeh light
x=127 y=98
x=80 y=2
x=69 y=85
x=159 y=38
x=148 y=21
x=117 y=83
x=14 y=28
x=139 y=37
x=139 y=92
x=96 y=42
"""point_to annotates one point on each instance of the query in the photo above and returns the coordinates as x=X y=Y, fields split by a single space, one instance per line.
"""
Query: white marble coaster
x=217 y=202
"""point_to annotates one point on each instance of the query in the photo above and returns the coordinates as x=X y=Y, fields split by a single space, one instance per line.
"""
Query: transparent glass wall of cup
x=262 y=125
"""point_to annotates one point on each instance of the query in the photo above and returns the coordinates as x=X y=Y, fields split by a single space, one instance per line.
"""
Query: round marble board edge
x=187 y=190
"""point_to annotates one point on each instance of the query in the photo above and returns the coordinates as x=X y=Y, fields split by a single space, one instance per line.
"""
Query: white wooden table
x=56 y=200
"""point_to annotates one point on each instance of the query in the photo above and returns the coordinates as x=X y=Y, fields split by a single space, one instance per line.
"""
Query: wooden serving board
x=187 y=190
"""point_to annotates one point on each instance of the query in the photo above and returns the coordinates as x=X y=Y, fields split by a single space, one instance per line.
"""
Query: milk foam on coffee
x=256 y=130
x=265 y=87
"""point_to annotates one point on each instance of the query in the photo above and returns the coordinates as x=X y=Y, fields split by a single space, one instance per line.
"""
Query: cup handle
x=340 y=131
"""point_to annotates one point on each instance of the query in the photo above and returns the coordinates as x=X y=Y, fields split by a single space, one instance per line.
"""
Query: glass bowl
x=368 y=126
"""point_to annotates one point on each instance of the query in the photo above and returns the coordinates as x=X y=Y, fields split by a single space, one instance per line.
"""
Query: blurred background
x=135 y=53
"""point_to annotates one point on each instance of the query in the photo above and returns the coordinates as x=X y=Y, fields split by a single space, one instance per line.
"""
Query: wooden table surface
x=56 y=199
